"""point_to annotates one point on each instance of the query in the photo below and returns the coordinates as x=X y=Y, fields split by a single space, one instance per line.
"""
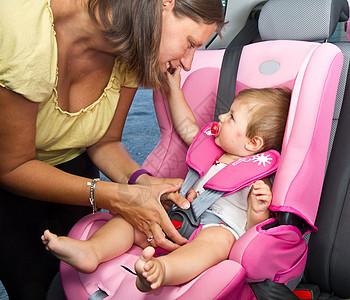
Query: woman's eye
x=191 y=45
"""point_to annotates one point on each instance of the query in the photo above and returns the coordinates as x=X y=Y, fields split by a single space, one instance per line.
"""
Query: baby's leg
x=211 y=246
x=112 y=239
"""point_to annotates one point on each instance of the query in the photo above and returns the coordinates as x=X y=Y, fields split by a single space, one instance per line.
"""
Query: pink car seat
x=273 y=252
x=327 y=270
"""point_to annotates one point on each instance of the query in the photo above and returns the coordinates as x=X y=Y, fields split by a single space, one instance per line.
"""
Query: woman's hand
x=141 y=207
x=168 y=199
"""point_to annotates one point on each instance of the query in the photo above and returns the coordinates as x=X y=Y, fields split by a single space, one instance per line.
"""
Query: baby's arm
x=181 y=114
x=259 y=200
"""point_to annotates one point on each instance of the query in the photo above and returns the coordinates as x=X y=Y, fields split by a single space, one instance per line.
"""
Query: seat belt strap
x=227 y=81
x=230 y=63
x=204 y=201
x=191 y=178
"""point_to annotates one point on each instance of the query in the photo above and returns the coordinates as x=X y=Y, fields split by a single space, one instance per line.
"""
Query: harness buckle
x=184 y=220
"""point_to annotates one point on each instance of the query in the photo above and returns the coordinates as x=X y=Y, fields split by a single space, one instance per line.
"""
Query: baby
x=254 y=123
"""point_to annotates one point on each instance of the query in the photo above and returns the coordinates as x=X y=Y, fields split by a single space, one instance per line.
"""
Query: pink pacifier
x=215 y=129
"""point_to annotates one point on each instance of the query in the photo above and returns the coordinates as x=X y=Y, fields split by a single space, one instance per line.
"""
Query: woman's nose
x=186 y=60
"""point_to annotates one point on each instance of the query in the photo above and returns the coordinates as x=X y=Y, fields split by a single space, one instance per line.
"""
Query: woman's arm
x=259 y=200
x=113 y=159
x=139 y=204
x=109 y=154
x=22 y=174
x=181 y=114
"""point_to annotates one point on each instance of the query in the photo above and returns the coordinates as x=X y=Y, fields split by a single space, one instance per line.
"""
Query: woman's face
x=180 y=38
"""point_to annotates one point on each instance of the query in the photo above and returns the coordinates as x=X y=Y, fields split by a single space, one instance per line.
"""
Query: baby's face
x=233 y=125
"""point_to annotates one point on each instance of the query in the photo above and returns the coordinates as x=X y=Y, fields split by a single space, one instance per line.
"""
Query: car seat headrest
x=308 y=20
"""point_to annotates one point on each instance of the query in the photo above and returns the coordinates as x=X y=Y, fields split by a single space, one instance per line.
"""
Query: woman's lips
x=169 y=68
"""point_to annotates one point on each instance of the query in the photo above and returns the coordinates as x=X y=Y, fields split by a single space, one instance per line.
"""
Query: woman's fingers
x=177 y=199
x=156 y=237
x=160 y=239
x=165 y=227
x=150 y=218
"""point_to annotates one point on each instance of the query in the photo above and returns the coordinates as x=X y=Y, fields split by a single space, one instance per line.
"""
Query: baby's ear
x=255 y=144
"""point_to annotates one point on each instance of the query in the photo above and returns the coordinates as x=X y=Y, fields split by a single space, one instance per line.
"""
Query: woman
x=69 y=70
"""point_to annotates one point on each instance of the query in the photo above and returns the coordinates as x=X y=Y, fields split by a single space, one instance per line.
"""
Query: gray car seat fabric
x=301 y=20
x=236 y=14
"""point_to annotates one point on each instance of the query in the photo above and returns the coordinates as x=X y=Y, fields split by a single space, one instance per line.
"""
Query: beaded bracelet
x=137 y=174
x=92 y=186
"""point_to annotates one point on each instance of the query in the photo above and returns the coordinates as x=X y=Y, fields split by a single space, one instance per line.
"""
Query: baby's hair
x=268 y=111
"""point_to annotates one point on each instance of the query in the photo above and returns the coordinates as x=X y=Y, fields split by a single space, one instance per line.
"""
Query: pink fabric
x=73 y=287
x=247 y=170
x=120 y=284
x=168 y=157
x=204 y=59
x=304 y=155
x=203 y=151
x=278 y=254
x=247 y=293
x=290 y=55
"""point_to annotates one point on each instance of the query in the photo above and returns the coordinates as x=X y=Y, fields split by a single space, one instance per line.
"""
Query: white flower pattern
x=257 y=158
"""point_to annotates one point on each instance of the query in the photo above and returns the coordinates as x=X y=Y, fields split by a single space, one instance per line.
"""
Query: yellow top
x=28 y=66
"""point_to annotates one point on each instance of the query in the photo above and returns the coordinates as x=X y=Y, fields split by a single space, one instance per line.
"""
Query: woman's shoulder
x=9 y=5
x=124 y=76
x=16 y=14
x=28 y=48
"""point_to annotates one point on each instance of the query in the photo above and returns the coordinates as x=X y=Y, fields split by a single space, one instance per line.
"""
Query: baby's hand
x=260 y=196
x=174 y=79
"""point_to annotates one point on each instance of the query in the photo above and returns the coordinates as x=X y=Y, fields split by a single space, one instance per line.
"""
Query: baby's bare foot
x=150 y=271
x=77 y=253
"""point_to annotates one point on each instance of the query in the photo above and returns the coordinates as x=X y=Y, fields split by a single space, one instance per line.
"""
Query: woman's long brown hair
x=135 y=27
